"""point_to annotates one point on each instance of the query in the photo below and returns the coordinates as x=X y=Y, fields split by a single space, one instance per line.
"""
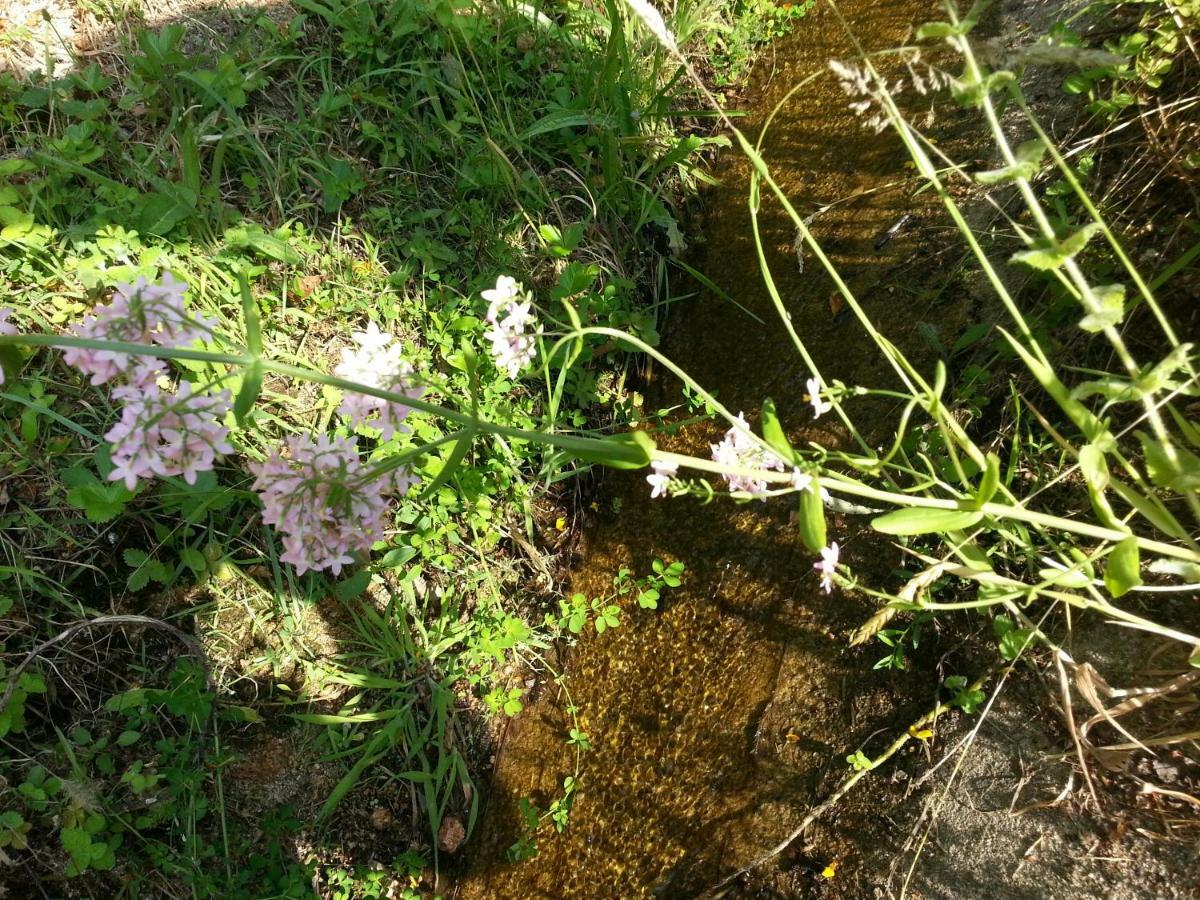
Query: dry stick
x=844 y=788
x=66 y=634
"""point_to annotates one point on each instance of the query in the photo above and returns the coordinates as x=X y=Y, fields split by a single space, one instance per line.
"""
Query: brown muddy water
x=704 y=756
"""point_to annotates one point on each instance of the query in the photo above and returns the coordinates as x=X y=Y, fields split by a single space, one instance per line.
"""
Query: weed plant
x=484 y=430
x=339 y=168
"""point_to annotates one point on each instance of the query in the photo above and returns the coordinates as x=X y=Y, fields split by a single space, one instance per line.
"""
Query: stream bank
x=719 y=720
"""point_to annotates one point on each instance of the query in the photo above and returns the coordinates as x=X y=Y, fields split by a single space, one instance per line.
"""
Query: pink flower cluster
x=166 y=434
x=376 y=363
x=6 y=327
x=738 y=449
x=160 y=433
x=512 y=347
x=139 y=313
x=322 y=501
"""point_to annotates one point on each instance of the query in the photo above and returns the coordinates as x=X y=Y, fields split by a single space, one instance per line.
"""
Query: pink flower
x=512 y=347
x=827 y=566
x=139 y=313
x=6 y=327
x=166 y=435
x=661 y=477
x=740 y=450
x=377 y=363
x=813 y=386
x=323 y=502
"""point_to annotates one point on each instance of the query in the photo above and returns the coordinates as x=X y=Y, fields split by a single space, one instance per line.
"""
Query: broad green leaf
x=938 y=30
x=354 y=585
x=1152 y=509
x=159 y=213
x=1110 y=299
x=450 y=466
x=921 y=520
x=194 y=560
x=1013 y=642
x=253 y=237
x=100 y=502
x=1046 y=255
x=1180 y=474
x=10 y=361
x=1068 y=578
x=811 y=517
x=1123 y=572
x=1028 y=162
x=631 y=450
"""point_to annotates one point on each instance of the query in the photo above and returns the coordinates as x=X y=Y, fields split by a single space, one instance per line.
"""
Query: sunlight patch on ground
x=60 y=36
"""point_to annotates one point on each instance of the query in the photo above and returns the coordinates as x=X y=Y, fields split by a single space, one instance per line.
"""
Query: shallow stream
x=718 y=719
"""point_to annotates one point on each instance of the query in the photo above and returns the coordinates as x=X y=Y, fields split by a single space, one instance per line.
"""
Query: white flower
x=661 y=477
x=813 y=386
x=739 y=450
x=827 y=566
x=513 y=348
x=506 y=290
x=802 y=481
x=377 y=363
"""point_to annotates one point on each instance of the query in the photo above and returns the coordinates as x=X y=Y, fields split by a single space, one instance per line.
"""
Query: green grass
x=351 y=162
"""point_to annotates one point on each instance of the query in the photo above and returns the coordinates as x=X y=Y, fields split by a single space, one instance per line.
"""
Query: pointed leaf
x=811 y=517
x=450 y=466
x=247 y=395
x=773 y=433
x=990 y=482
x=921 y=520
